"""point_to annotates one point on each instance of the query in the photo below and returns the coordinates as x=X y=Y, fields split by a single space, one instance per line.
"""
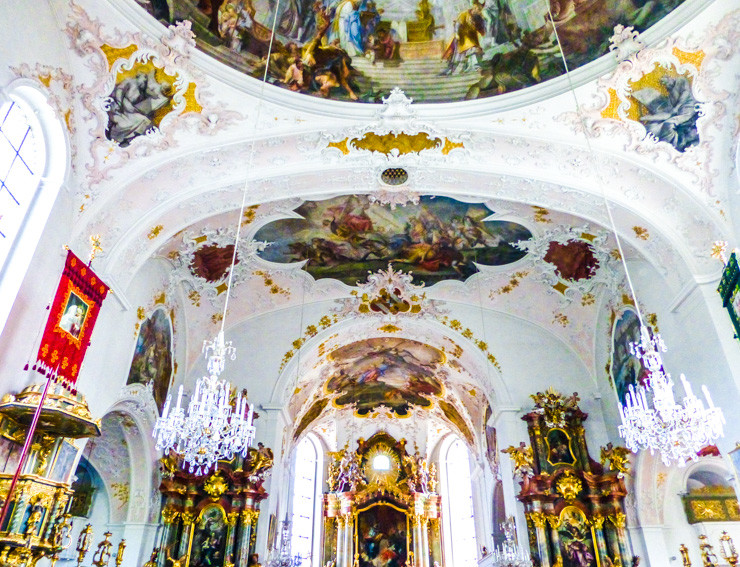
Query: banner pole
x=24 y=452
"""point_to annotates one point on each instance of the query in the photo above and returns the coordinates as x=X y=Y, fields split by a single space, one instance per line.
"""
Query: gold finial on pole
x=83 y=544
x=95 y=247
x=119 y=554
x=102 y=555
x=708 y=557
x=727 y=549
x=685 y=555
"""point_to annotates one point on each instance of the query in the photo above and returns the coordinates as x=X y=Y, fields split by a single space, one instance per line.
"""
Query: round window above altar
x=382 y=463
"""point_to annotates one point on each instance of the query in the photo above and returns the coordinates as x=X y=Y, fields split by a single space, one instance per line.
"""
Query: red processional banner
x=71 y=320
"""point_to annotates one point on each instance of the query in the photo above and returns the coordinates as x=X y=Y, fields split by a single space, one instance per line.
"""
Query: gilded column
x=188 y=518
x=169 y=515
x=620 y=522
x=245 y=536
x=598 y=523
x=21 y=503
x=231 y=550
x=554 y=522
x=425 y=541
x=539 y=521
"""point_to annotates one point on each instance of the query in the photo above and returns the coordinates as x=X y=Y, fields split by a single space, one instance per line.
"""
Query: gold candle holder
x=685 y=555
x=119 y=554
x=102 y=555
x=727 y=549
x=83 y=544
x=708 y=557
x=60 y=538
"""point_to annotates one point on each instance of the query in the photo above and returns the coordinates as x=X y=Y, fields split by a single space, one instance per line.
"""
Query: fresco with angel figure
x=439 y=238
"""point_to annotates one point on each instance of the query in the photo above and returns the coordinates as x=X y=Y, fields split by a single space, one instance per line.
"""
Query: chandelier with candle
x=651 y=417
x=217 y=424
x=509 y=554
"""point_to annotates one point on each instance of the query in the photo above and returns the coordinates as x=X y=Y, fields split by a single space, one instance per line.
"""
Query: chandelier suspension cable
x=595 y=164
x=218 y=422
x=677 y=431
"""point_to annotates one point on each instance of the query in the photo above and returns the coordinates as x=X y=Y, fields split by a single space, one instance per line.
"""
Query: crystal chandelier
x=677 y=431
x=216 y=426
x=281 y=556
x=509 y=554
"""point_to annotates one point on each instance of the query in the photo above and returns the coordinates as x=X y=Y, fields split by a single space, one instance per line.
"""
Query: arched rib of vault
x=133 y=247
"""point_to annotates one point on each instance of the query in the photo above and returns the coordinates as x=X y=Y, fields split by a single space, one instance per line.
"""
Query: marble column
x=625 y=551
x=554 y=523
x=539 y=521
x=598 y=523
x=187 y=528
x=231 y=551
x=340 y=541
x=245 y=535
x=425 y=541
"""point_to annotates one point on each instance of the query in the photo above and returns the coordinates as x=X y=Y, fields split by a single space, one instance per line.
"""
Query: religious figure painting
x=664 y=103
x=382 y=537
x=73 y=315
x=559 y=451
x=139 y=101
x=152 y=361
x=390 y=372
x=627 y=370
x=576 y=539
x=345 y=237
x=435 y=50
x=209 y=538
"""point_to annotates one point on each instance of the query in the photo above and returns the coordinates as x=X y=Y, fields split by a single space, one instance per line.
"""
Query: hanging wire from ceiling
x=219 y=422
x=651 y=417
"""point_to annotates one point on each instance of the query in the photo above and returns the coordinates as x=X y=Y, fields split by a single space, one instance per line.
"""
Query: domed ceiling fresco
x=435 y=50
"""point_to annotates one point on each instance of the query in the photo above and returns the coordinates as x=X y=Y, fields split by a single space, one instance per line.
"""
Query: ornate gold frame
x=590 y=524
x=384 y=503
x=570 y=447
x=72 y=288
x=195 y=523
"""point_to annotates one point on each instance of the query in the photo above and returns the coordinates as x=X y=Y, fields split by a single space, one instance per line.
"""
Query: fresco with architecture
x=438 y=239
x=435 y=50
x=390 y=372
x=152 y=360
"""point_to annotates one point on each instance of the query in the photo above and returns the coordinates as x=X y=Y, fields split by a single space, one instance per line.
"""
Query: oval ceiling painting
x=437 y=239
x=435 y=50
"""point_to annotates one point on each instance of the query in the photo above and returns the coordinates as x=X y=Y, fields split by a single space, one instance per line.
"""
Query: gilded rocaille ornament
x=618 y=458
x=569 y=486
x=555 y=406
x=522 y=458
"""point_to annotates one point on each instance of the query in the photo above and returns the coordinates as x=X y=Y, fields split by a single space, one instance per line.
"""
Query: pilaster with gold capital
x=539 y=521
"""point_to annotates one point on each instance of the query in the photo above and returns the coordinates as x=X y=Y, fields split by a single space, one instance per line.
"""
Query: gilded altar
x=211 y=520
x=381 y=500
x=574 y=505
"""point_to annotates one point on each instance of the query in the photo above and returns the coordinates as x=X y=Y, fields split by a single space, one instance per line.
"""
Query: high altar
x=574 y=505
x=381 y=500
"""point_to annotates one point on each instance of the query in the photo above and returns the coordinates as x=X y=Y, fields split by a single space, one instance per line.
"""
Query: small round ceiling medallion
x=394 y=176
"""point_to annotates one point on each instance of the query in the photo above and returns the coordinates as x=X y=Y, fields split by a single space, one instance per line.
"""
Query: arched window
x=32 y=162
x=460 y=542
x=306 y=497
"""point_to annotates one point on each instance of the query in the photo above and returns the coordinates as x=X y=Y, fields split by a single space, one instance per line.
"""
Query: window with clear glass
x=304 y=501
x=19 y=172
x=459 y=506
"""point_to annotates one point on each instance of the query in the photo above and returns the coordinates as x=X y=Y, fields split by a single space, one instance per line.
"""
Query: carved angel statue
x=555 y=406
x=618 y=458
x=522 y=457
x=176 y=562
x=259 y=461
x=345 y=471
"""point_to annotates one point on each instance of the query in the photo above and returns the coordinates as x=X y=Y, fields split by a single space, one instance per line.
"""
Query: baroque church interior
x=369 y=283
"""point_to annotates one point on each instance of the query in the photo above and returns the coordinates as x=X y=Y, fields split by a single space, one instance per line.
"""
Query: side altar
x=574 y=505
x=211 y=520
x=382 y=501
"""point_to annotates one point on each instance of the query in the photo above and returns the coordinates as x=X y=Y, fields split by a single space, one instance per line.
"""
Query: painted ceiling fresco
x=438 y=239
x=435 y=50
x=390 y=372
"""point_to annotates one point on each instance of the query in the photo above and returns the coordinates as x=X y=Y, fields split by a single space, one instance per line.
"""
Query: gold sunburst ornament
x=569 y=486
x=382 y=466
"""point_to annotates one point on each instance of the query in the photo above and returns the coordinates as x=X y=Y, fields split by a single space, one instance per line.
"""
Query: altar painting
x=559 y=451
x=435 y=50
x=576 y=539
x=627 y=370
x=382 y=537
x=209 y=538
x=390 y=372
x=437 y=239
x=152 y=361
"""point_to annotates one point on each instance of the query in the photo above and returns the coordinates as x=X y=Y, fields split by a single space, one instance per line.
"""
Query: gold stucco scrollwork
x=619 y=519
x=598 y=521
x=569 y=486
x=187 y=517
x=169 y=515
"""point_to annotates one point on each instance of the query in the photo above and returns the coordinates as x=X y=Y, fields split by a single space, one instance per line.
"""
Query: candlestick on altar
x=727 y=549
x=119 y=555
x=685 y=555
x=83 y=544
x=102 y=555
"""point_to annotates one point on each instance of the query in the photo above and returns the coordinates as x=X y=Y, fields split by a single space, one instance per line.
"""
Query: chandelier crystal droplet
x=677 y=431
x=217 y=424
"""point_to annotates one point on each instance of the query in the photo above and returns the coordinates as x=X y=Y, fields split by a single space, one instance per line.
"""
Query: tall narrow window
x=306 y=486
x=458 y=500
